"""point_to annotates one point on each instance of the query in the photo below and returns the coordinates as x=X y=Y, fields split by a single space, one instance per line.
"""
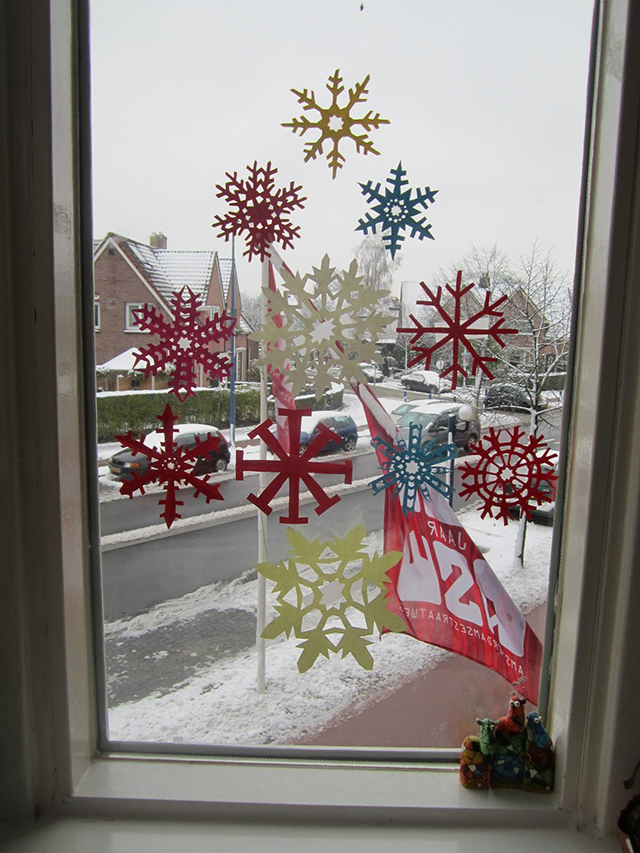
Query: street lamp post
x=467 y=412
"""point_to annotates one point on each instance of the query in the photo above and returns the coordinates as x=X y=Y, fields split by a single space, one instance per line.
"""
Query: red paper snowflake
x=183 y=343
x=512 y=473
x=170 y=465
x=260 y=210
x=487 y=323
x=294 y=466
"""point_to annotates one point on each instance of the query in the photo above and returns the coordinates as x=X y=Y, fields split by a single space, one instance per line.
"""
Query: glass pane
x=455 y=124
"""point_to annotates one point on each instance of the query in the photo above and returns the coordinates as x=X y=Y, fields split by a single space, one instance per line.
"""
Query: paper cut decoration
x=330 y=323
x=296 y=467
x=413 y=468
x=334 y=123
x=516 y=472
x=320 y=586
x=259 y=210
x=487 y=322
x=184 y=343
x=172 y=466
x=443 y=588
x=396 y=211
x=510 y=753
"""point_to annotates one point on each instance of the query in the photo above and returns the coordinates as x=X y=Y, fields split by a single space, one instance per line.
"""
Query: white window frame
x=130 y=320
x=96 y=314
x=47 y=721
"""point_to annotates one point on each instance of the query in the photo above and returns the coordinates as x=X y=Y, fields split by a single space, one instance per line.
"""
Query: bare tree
x=375 y=263
x=252 y=309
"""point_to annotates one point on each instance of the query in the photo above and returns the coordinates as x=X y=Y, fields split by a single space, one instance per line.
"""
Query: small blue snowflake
x=413 y=467
x=396 y=210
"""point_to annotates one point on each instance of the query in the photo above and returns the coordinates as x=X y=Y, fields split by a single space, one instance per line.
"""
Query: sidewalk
x=437 y=709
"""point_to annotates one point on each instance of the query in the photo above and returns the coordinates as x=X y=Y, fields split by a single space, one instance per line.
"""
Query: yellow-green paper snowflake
x=331 y=322
x=331 y=595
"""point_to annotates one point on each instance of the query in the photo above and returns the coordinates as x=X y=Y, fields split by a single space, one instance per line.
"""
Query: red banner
x=444 y=589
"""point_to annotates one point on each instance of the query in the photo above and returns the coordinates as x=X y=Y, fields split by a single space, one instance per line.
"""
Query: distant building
x=128 y=274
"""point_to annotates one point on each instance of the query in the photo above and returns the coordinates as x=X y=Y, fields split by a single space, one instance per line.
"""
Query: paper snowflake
x=513 y=472
x=171 y=466
x=396 y=211
x=487 y=322
x=259 y=210
x=413 y=467
x=336 y=122
x=184 y=343
x=296 y=466
x=331 y=595
x=330 y=323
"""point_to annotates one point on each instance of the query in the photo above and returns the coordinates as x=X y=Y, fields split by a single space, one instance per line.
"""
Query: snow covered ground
x=220 y=704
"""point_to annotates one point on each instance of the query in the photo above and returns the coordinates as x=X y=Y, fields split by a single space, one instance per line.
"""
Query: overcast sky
x=486 y=103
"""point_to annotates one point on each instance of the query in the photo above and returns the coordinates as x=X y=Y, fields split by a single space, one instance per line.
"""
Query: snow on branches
x=334 y=122
x=450 y=326
x=259 y=210
x=297 y=466
x=171 y=466
x=330 y=323
x=183 y=344
x=513 y=473
x=396 y=211
x=337 y=587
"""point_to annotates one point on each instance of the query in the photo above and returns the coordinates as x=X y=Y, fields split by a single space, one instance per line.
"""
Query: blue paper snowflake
x=413 y=467
x=396 y=210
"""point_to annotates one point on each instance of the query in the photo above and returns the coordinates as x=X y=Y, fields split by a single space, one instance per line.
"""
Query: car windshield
x=413 y=417
x=403 y=409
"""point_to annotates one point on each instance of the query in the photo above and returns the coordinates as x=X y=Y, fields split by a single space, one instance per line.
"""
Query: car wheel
x=473 y=439
x=221 y=464
x=303 y=447
x=350 y=443
x=432 y=389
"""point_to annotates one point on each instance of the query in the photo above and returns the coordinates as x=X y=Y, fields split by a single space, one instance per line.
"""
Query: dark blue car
x=343 y=425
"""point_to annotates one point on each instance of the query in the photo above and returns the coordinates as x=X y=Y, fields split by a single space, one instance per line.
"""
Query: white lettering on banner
x=447 y=558
x=418 y=580
x=510 y=622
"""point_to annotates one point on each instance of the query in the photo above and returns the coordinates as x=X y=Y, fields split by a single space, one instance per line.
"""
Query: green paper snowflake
x=331 y=595
x=330 y=323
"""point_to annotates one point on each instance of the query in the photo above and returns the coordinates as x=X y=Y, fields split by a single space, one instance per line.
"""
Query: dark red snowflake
x=487 y=322
x=294 y=466
x=512 y=473
x=259 y=209
x=171 y=466
x=184 y=343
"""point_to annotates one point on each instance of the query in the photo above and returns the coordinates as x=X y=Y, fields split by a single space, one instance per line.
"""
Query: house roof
x=123 y=361
x=225 y=275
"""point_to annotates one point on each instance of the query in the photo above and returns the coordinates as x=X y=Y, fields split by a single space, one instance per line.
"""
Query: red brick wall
x=116 y=284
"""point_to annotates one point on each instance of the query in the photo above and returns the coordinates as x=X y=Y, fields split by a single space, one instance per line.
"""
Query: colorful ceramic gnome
x=507 y=770
x=475 y=768
x=540 y=758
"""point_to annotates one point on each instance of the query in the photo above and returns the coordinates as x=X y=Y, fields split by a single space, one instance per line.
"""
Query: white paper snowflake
x=331 y=323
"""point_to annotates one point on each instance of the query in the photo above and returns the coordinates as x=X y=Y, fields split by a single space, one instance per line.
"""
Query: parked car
x=506 y=395
x=544 y=512
x=402 y=409
x=373 y=372
x=343 y=425
x=126 y=465
x=433 y=417
x=421 y=380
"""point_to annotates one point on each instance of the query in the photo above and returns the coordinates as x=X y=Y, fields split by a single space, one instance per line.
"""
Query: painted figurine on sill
x=513 y=752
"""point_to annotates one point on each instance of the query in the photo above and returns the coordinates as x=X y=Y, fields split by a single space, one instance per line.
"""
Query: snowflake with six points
x=261 y=210
x=336 y=122
x=396 y=211
x=486 y=322
x=331 y=595
x=413 y=467
x=512 y=473
x=183 y=343
x=329 y=320
x=171 y=466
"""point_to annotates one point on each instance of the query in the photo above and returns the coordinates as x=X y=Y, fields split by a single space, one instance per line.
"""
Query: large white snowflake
x=330 y=323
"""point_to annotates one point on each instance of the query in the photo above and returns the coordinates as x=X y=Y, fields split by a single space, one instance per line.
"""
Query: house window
x=96 y=314
x=130 y=322
x=143 y=704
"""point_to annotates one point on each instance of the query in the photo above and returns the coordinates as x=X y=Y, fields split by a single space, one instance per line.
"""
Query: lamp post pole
x=232 y=349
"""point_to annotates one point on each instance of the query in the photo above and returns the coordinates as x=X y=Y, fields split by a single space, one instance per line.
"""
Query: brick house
x=128 y=274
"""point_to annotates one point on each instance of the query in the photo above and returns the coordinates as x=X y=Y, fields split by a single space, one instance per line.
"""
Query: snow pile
x=220 y=703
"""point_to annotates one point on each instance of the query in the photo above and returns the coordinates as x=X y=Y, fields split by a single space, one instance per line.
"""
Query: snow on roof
x=169 y=270
x=225 y=274
x=124 y=361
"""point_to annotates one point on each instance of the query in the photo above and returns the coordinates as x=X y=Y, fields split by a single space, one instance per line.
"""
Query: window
x=96 y=314
x=595 y=600
x=130 y=323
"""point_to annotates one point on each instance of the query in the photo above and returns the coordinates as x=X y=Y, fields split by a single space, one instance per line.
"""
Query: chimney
x=157 y=240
